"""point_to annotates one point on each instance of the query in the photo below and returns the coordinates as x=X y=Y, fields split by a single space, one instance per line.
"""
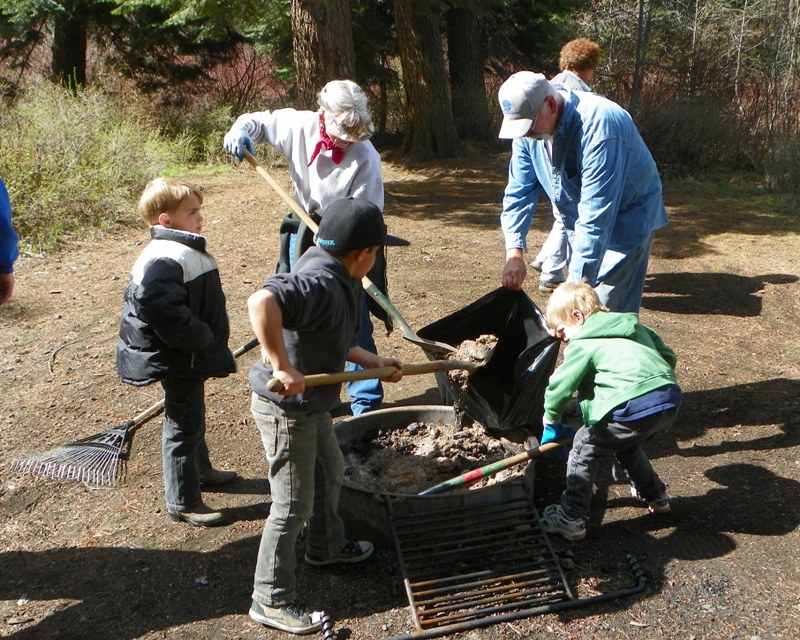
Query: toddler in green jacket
x=627 y=392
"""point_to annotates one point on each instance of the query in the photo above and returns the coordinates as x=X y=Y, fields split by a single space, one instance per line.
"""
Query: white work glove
x=236 y=141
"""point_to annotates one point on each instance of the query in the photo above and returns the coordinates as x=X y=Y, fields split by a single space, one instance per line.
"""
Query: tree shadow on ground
x=763 y=403
x=751 y=501
x=464 y=192
x=709 y=293
x=124 y=593
x=469 y=192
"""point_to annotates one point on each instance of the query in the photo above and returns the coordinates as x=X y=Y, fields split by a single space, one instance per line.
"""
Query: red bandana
x=325 y=142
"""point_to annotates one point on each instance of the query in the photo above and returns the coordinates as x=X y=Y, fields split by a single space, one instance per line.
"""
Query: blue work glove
x=553 y=432
x=236 y=141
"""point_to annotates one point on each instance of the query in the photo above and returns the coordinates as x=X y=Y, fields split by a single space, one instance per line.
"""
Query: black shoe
x=351 y=553
x=199 y=516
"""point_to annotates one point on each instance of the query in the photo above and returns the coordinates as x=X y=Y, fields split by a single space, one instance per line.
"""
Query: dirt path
x=80 y=562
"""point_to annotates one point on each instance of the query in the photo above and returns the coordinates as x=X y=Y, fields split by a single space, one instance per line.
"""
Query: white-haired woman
x=329 y=157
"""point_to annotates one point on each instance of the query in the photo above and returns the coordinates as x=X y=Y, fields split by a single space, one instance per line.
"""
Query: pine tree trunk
x=645 y=9
x=322 y=37
x=466 y=54
x=430 y=130
x=68 y=65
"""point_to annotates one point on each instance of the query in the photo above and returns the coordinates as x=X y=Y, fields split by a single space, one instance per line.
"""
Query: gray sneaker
x=536 y=265
x=291 y=618
x=548 y=287
x=352 y=552
x=658 y=506
x=554 y=521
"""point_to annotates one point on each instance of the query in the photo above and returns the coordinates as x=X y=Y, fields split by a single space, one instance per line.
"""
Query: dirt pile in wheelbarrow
x=411 y=459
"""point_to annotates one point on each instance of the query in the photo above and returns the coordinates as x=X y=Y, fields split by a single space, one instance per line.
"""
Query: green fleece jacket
x=610 y=360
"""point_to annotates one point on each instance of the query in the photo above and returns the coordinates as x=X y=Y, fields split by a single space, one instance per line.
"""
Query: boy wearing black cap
x=306 y=322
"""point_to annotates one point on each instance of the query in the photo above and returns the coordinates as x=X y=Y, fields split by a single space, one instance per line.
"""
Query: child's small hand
x=293 y=381
x=556 y=431
x=392 y=362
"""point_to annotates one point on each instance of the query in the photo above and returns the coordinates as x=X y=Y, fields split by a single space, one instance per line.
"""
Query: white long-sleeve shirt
x=294 y=134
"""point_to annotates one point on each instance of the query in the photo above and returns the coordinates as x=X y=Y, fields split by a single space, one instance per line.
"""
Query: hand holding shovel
x=321 y=379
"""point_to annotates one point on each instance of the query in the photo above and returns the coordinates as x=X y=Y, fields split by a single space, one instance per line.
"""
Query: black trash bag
x=507 y=393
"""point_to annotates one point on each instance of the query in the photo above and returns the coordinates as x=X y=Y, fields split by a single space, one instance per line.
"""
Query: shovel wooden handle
x=321 y=379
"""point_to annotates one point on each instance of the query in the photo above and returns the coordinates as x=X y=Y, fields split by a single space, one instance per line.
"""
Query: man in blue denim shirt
x=586 y=154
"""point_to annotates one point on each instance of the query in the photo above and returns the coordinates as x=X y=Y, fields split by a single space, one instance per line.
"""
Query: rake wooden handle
x=495 y=467
x=321 y=379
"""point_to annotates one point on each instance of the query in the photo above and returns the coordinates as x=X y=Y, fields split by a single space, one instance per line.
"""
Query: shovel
x=321 y=379
x=433 y=346
x=494 y=467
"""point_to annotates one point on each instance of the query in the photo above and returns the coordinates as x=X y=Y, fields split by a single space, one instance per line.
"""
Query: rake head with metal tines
x=96 y=460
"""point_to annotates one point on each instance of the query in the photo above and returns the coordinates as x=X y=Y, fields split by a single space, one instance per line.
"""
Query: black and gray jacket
x=174 y=321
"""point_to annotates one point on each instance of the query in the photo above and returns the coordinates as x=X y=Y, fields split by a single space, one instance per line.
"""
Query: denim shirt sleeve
x=603 y=178
x=521 y=194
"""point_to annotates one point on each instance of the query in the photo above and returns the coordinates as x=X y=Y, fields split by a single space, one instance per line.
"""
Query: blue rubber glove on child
x=553 y=432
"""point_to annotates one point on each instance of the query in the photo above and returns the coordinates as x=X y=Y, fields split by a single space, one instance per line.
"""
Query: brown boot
x=199 y=516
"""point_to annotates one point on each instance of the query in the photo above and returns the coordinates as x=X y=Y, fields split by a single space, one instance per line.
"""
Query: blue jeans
x=183 y=431
x=555 y=252
x=623 y=441
x=306 y=470
x=365 y=395
x=620 y=283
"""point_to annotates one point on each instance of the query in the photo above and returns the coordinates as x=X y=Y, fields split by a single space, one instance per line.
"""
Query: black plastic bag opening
x=507 y=393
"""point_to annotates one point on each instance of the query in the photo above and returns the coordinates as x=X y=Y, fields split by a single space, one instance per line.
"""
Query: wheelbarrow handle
x=321 y=379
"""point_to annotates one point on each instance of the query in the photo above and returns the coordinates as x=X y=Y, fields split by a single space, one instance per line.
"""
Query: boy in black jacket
x=307 y=322
x=175 y=330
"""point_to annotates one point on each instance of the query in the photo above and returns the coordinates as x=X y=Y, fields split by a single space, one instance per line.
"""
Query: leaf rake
x=97 y=459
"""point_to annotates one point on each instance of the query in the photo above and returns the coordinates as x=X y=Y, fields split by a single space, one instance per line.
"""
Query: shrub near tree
x=77 y=161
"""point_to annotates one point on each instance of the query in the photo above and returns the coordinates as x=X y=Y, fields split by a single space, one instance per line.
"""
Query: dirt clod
x=479 y=351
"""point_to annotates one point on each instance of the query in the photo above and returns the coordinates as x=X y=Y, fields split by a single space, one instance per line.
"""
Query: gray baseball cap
x=520 y=98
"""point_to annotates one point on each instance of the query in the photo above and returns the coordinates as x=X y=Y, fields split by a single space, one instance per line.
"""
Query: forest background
x=100 y=95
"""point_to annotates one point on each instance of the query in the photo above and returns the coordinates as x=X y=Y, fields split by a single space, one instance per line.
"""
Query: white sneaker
x=658 y=506
x=352 y=552
x=554 y=521
x=290 y=618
